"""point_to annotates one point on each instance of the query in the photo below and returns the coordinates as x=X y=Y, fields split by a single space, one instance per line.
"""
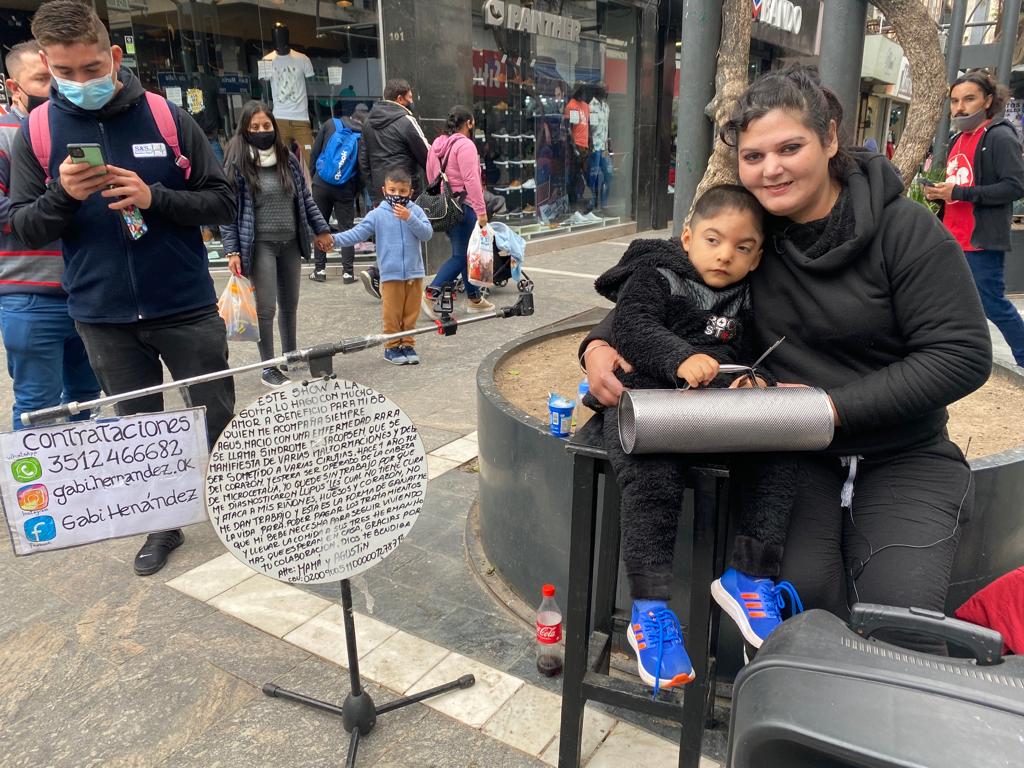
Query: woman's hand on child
x=698 y=370
x=744 y=382
x=324 y=242
x=402 y=212
x=601 y=361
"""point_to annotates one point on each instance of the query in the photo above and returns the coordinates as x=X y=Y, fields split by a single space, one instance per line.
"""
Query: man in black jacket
x=391 y=138
x=136 y=299
x=984 y=175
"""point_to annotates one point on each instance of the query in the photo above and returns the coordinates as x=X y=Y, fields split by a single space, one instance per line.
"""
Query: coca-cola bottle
x=549 y=634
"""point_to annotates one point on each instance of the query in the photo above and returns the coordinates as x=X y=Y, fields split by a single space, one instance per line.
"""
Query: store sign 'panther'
x=782 y=14
x=498 y=13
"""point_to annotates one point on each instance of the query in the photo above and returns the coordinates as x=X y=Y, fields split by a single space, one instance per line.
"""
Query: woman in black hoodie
x=879 y=309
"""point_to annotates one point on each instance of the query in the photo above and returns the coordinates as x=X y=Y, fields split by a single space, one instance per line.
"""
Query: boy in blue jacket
x=398 y=226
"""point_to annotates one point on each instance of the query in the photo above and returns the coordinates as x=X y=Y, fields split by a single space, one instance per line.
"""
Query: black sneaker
x=273 y=377
x=153 y=554
x=348 y=278
x=318 y=275
x=371 y=281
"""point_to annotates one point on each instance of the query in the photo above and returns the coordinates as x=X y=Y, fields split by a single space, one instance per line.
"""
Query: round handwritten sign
x=316 y=482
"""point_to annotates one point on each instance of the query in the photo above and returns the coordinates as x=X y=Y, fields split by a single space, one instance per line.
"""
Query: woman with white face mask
x=878 y=309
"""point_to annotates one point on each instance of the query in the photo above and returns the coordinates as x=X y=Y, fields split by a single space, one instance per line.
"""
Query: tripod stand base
x=358 y=713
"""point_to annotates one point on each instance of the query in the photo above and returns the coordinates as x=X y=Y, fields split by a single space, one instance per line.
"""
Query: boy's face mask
x=397 y=199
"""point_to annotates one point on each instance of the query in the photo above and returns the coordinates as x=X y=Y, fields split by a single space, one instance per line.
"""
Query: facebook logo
x=40 y=528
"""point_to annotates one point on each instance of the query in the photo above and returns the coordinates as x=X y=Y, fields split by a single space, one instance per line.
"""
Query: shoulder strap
x=444 y=161
x=338 y=125
x=39 y=136
x=168 y=130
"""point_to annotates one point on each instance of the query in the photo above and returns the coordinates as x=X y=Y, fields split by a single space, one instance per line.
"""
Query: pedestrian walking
x=984 y=176
x=455 y=152
x=275 y=224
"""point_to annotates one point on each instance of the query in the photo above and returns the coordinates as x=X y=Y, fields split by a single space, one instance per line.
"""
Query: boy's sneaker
x=371 y=281
x=754 y=604
x=348 y=278
x=273 y=377
x=318 y=275
x=410 y=355
x=657 y=640
x=480 y=304
x=427 y=303
x=395 y=355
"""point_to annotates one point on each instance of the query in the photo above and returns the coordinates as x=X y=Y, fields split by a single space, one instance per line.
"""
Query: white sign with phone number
x=81 y=482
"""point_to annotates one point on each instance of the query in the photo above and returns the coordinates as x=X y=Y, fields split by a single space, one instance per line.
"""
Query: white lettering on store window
x=498 y=13
x=782 y=14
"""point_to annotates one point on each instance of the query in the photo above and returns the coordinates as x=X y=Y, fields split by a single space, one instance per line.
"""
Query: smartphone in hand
x=92 y=154
x=925 y=182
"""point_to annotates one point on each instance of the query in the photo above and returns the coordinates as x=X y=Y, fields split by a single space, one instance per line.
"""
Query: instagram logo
x=33 y=498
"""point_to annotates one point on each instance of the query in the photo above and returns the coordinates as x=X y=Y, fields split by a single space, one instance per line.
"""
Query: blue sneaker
x=656 y=638
x=754 y=604
x=395 y=355
x=410 y=355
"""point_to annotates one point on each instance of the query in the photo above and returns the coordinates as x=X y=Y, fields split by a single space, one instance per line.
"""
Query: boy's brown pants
x=400 y=308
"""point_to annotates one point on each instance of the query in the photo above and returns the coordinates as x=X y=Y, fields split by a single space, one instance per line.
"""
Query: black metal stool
x=591 y=618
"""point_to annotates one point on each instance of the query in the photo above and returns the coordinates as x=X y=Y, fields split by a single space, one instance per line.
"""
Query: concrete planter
x=526 y=476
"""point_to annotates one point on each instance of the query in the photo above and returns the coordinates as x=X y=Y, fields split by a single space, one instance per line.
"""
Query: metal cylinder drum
x=725 y=420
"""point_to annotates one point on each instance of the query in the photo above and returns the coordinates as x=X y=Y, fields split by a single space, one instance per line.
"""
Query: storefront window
x=554 y=112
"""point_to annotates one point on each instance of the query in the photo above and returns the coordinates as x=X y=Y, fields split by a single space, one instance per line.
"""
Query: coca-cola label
x=549 y=633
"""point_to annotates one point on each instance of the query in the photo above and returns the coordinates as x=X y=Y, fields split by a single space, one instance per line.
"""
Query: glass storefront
x=554 y=115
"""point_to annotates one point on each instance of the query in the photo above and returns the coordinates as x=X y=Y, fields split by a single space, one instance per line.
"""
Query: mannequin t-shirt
x=288 y=81
x=599 y=124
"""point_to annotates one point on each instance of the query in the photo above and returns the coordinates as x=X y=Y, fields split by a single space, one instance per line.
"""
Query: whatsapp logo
x=26 y=470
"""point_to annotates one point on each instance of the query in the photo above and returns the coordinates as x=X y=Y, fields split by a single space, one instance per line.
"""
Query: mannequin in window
x=288 y=72
x=600 y=176
x=577 y=116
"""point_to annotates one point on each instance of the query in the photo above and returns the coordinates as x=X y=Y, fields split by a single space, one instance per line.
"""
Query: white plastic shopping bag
x=237 y=306
x=481 y=257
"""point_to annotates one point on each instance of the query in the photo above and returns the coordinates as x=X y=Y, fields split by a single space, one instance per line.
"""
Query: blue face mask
x=90 y=95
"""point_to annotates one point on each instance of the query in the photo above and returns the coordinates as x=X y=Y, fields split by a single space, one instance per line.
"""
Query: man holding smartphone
x=136 y=302
x=45 y=355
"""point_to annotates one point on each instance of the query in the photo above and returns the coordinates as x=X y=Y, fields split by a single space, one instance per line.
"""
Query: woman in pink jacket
x=456 y=151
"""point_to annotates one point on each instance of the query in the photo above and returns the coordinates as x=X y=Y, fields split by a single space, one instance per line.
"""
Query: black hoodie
x=391 y=138
x=889 y=322
x=666 y=313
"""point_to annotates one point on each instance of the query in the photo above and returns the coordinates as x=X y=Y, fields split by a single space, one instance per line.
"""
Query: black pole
x=842 y=54
x=698 y=62
x=1011 y=18
x=954 y=44
x=350 y=632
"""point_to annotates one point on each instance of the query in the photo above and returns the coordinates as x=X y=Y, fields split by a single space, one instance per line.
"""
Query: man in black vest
x=136 y=300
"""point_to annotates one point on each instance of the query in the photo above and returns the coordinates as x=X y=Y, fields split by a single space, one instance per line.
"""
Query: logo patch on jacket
x=158 y=149
x=722 y=328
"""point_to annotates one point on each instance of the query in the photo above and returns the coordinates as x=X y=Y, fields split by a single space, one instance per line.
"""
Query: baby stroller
x=505 y=266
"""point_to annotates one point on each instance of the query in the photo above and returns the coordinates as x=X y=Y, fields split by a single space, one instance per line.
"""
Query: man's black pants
x=127 y=357
x=341 y=200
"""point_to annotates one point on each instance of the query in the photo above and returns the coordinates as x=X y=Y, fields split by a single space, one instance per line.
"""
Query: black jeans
x=895 y=546
x=342 y=201
x=127 y=357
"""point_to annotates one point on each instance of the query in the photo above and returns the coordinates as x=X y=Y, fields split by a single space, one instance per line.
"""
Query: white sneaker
x=530 y=184
x=576 y=220
x=480 y=305
x=594 y=218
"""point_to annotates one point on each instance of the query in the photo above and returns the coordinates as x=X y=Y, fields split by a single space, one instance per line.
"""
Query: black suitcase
x=821 y=694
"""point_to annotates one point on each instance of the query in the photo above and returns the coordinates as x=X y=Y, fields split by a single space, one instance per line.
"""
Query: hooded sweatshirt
x=887 y=322
x=398 y=242
x=462 y=168
x=391 y=137
x=666 y=313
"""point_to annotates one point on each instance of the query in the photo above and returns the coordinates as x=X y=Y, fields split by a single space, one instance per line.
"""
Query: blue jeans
x=456 y=265
x=600 y=177
x=45 y=356
x=987 y=268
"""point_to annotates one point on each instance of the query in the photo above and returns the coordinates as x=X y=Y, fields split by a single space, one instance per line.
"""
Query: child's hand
x=402 y=212
x=698 y=370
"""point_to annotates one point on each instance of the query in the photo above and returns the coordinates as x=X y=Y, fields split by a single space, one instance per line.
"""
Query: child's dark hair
x=458 y=116
x=796 y=89
x=727 y=197
x=398 y=175
x=989 y=87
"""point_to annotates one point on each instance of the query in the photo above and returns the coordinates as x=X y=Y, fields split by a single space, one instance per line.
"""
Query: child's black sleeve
x=641 y=327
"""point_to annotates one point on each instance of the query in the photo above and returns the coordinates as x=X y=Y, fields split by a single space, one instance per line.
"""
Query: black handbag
x=442 y=206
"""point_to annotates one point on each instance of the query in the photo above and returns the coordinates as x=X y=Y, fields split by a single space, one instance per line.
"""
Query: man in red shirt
x=984 y=175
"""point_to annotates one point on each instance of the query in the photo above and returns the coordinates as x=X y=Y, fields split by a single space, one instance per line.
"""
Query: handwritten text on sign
x=87 y=481
x=316 y=483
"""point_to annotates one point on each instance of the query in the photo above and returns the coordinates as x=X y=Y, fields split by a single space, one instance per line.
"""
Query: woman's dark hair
x=242 y=157
x=458 y=116
x=796 y=89
x=989 y=86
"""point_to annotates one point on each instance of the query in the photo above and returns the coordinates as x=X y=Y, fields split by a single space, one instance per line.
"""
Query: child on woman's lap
x=681 y=313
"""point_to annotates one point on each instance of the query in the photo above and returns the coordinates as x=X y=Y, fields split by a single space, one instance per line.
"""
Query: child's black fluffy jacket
x=666 y=313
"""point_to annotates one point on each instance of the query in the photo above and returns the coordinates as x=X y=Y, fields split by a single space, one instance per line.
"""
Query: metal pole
x=842 y=54
x=954 y=44
x=1011 y=18
x=698 y=63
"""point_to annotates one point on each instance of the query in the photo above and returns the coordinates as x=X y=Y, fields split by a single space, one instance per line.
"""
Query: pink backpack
x=39 y=132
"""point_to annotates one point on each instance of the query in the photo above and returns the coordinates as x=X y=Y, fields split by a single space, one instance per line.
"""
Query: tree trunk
x=730 y=83
x=917 y=33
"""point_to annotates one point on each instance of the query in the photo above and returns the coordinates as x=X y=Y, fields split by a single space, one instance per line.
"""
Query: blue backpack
x=339 y=160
